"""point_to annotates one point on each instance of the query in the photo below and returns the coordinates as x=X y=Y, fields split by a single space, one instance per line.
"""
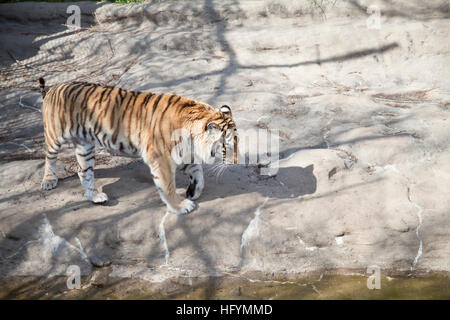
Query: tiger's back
x=118 y=119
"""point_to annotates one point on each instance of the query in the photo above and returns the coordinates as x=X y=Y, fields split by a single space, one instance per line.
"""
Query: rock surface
x=363 y=117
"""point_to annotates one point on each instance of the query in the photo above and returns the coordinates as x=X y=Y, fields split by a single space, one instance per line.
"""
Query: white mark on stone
x=326 y=133
x=419 y=251
x=82 y=252
x=326 y=141
x=339 y=240
x=94 y=276
x=253 y=226
x=315 y=289
x=313 y=286
x=184 y=273
x=313 y=248
x=162 y=238
x=19 y=145
x=262 y=117
x=264 y=281
x=388 y=167
x=53 y=242
x=27 y=106
x=419 y=216
x=301 y=241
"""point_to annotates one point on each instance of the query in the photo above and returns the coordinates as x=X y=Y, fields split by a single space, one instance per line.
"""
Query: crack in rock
x=23 y=105
x=419 y=216
x=19 y=145
x=20 y=249
x=162 y=238
x=314 y=287
x=252 y=228
x=52 y=243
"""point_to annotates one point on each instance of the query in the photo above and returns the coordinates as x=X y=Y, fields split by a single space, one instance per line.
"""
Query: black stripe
x=97 y=126
x=91 y=112
x=153 y=118
x=87 y=169
x=90 y=158
x=115 y=134
x=78 y=123
x=99 y=101
x=117 y=102
x=128 y=102
x=84 y=154
x=91 y=133
x=186 y=104
x=179 y=98
x=168 y=106
x=120 y=95
x=113 y=112
x=130 y=117
x=87 y=94
x=103 y=139
x=97 y=139
x=72 y=106
x=74 y=87
x=155 y=104
x=149 y=95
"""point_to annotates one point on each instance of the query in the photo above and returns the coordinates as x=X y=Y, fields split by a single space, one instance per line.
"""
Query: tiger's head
x=219 y=137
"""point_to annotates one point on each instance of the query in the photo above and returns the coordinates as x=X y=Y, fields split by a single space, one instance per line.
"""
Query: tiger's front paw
x=48 y=184
x=99 y=198
x=185 y=206
x=194 y=190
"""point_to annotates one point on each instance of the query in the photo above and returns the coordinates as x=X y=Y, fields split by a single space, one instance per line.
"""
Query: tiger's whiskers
x=218 y=170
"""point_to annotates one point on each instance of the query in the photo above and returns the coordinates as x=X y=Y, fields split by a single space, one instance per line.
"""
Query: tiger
x=135 y=124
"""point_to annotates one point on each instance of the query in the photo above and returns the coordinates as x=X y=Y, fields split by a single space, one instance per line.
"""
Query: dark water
x=323 y=287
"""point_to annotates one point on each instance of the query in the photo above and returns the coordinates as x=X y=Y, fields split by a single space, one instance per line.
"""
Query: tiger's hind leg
x=50 y=179
x=85 y=158
x=196 y=182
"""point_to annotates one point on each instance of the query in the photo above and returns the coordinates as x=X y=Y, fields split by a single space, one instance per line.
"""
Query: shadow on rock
x=287 y=182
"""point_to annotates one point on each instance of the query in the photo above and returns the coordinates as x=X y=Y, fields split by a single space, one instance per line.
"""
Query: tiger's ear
x=225 y=109
x=211 y=126
x=213 y=130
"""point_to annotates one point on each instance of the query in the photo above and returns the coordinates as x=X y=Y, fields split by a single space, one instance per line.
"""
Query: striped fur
x=139 y=124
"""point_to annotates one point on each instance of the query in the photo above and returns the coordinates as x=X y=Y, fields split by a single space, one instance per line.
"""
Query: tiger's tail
x=42 y=86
